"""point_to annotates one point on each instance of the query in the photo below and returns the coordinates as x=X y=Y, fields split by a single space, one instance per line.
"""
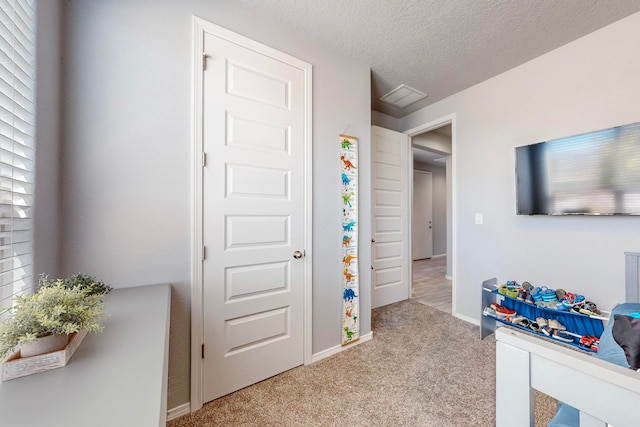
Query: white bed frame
x=604 y=393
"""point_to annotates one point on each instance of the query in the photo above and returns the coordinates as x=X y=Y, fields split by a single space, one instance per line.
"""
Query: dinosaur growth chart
x=350 y=291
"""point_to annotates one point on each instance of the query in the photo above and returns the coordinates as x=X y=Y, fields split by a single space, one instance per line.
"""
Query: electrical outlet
x=479 y=219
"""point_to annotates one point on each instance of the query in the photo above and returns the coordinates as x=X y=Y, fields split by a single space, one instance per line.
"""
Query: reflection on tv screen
x=596 y=173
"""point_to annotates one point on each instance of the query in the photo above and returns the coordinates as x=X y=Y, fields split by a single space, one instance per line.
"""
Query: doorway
x=430 y=285
x=432 y=224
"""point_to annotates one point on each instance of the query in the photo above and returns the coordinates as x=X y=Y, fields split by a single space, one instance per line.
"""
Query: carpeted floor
x=422 y=368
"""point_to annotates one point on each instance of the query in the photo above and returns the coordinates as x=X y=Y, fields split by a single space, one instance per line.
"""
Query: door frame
x=200 y=27
x=426 y=127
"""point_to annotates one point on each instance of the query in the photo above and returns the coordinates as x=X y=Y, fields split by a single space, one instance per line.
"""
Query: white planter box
x=16 y=366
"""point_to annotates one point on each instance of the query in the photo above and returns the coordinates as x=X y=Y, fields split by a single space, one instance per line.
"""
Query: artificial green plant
x=82 y=281
x=53 y=309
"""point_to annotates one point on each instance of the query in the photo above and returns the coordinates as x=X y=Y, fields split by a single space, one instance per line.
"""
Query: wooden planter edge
x=16 y=366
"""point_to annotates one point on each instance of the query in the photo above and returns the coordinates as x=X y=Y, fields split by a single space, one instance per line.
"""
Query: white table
x=603 y=392
x=115 y=378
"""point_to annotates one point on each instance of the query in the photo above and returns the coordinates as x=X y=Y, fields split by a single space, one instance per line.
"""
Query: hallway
x=430 y=287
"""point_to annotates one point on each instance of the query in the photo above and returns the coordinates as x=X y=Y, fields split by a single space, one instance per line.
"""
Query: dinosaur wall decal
x=348 y=276
x=346 y=198
x=348 y=226
x=349 y=333
x=347 y=163
x=346 y=144
x=348 y=258
x=349 y=295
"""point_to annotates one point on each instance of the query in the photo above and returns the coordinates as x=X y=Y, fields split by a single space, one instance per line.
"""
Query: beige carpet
x=422 y=368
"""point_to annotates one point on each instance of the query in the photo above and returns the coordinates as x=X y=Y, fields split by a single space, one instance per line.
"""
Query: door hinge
x=203 y=351
x=204 y=253
x=204 y=159
x=204 y=60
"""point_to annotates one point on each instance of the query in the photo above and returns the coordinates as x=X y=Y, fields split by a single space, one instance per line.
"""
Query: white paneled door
x=390 y=230
x=254 y=195
x=422 y=217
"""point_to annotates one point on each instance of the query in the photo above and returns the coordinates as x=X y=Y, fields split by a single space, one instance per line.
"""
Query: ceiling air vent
x=403 y=96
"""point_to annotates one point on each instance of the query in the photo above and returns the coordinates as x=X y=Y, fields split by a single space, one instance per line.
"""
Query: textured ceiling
x=441 y=47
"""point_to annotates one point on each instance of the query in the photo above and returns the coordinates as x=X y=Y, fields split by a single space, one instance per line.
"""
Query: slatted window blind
x=597 y=171
x=17 y=147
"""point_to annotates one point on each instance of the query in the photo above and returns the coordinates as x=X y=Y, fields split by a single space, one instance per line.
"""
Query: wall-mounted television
x=595 y=173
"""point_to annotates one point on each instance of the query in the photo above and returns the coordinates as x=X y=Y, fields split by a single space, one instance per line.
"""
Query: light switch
x=478 y=219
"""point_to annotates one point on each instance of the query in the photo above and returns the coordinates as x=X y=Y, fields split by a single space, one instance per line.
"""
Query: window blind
x=599 y=170
x=17 y=148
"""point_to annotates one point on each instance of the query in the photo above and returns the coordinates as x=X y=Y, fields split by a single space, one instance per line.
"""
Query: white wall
x=592 y=83
x=47 y=203
x=384 y=121
x=127 y=154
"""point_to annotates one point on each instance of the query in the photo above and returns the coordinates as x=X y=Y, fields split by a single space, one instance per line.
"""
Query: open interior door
x=390 y=279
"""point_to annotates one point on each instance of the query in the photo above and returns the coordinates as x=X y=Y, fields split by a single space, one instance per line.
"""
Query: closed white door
x=422 y=216
x=390 y=223
x=253 y=216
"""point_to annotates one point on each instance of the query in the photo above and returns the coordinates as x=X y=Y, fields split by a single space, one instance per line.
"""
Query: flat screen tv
x=595 y=173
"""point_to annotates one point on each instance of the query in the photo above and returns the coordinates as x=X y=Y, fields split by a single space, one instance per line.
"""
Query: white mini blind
x=596 y=172
x=17 y=147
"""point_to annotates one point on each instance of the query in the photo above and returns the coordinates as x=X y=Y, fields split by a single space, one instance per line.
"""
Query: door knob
x=298 y=254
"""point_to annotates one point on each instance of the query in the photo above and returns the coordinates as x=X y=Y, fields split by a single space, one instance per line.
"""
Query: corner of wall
x=47 y=203
x=385 y=121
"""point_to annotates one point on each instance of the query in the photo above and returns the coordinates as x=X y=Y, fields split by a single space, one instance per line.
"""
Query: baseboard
x=467 y=319
x=338 y=348
x=439 y=255
x=178 y=411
